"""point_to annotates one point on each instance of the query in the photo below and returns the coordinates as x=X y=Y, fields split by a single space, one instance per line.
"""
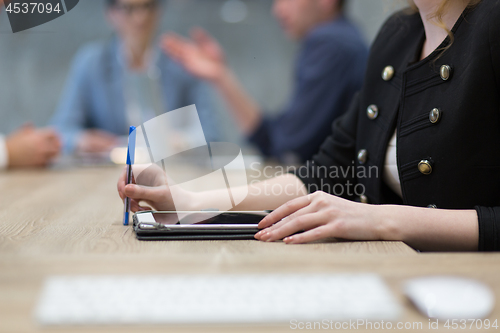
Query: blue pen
x=130 y=161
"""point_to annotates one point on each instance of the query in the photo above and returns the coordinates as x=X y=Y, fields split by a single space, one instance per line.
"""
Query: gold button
x=362 y=156
x=388 y=73
x=432 y=206
x=435 y=115
x=372 y=111
x=425 y=167
x=364 y=199
x=445 y=72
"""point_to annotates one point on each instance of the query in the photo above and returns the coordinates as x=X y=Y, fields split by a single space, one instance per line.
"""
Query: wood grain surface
x=68 y=222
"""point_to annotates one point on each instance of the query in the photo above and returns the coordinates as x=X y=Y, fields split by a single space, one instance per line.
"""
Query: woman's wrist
x=387 y=222
x=426 y=228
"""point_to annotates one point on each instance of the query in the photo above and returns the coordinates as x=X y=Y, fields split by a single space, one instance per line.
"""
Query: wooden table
x=68 y=222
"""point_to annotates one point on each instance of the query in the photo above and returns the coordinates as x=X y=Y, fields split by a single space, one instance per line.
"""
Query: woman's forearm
x=422 y=228
x=429 y=229
x=265 y=195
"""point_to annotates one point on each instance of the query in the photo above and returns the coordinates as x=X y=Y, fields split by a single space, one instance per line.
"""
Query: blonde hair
x=437 y=17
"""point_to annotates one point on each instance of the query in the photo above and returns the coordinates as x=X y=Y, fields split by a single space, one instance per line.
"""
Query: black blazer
x=446 y=111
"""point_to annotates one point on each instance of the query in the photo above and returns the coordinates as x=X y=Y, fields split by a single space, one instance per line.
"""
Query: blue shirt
x=329 y=71
x=95 y=94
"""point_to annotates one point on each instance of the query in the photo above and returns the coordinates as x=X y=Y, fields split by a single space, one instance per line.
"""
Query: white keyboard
x=177 y=299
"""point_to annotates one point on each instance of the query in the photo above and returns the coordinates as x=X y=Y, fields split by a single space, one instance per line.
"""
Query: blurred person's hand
x=202 y=56
x=32 y=147
x=96 y=141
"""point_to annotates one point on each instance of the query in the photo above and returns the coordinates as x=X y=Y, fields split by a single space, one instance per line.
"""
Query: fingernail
x=265 y=236
x=288 y=239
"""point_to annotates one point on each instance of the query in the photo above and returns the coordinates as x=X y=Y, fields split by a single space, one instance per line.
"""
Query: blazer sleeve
x=489 y=217
x=329 y=167
x=489 y=228
x=70 y=116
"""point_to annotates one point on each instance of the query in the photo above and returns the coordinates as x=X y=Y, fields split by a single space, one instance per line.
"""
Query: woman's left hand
x=321 y=215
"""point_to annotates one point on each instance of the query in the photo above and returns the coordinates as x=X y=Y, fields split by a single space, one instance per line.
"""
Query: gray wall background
x=34 y=63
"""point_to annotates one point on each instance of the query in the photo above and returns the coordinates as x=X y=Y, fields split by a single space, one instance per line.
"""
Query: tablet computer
x=201 y=225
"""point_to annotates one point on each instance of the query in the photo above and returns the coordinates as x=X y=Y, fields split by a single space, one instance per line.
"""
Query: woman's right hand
x=150 y=187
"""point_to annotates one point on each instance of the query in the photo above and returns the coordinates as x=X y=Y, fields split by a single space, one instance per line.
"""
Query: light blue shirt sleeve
x=70 y=116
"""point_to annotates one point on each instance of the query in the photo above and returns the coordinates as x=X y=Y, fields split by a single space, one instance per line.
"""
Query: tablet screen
x=171 y=218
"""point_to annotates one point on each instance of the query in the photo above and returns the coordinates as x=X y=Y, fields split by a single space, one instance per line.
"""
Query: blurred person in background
x=127 y=81
x=328 y=72
x=28 y=147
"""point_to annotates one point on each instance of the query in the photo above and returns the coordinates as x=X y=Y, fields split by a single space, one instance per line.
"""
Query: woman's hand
x=321 y=215
x=151 y=187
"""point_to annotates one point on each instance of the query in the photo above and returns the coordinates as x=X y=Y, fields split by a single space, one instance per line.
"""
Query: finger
x=169 y=44
x=301 y=223
x=50 y=156
x=121 y=193
x=48 y=151
x=315 y=234
x=173 y=43
x=153 y=194
x=152 y=176
x=120 y=186
x=287 y=209
x=54 y=151
x=306 y=210
x=50 y=148
x=54 y=141
x=173 y=49
x=200 y=36
x=170 y=37
x=28 y=126
x=134 y=206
